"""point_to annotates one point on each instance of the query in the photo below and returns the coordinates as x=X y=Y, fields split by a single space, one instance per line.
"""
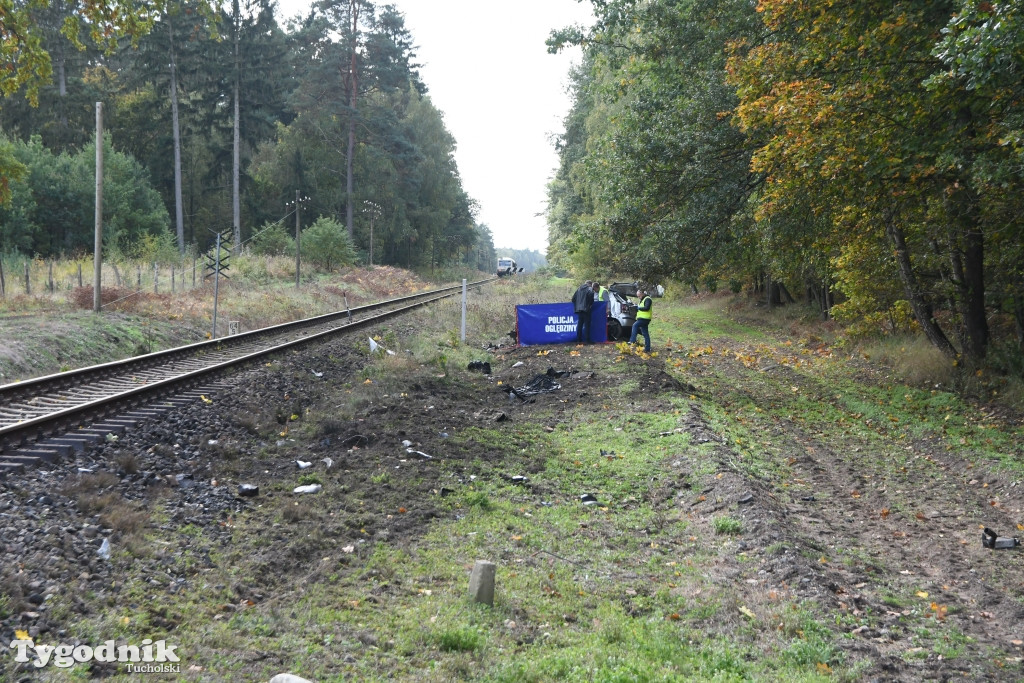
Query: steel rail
x=57 y=419
x=15 y=390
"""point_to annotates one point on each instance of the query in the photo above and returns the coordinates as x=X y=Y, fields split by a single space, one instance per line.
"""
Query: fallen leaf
x=746 y=612
x=922 y=594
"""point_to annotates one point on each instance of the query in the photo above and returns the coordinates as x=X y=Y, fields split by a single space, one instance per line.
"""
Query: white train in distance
x=507 y=266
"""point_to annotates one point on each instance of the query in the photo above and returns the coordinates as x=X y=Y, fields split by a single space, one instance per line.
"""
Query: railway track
x=47 y=417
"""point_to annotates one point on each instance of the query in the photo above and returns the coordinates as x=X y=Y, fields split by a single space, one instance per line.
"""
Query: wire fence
x=20 y=275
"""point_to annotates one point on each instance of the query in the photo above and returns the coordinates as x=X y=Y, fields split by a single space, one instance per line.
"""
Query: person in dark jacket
x=582 y=302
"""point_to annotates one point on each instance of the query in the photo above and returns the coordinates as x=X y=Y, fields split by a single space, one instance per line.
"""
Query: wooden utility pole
x=97 y=259
x=298 y=251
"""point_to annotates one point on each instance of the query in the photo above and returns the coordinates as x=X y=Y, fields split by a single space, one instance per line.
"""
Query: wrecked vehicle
x=628 y=289
x=622 y=311
x=621 y=316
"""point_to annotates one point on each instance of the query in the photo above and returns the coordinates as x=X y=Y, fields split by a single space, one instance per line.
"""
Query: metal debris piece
x=991 y=539
x=248 y=490
x=538 y=385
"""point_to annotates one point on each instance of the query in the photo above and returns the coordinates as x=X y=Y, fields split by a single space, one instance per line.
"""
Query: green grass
x=630 y=589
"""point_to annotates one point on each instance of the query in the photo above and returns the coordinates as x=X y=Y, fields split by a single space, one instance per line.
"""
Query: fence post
x=3 y=284
x=28 y=281
x=138 y=276
x=173 y=275
x=156 y=278
x=79 y=273
x=49 y=275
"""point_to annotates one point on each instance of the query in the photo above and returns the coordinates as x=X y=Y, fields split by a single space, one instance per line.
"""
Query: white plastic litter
x=104 y=551
x=310 y=488
x=375 y=347
x=407 y=443
x=303 y=464
x=328 y=462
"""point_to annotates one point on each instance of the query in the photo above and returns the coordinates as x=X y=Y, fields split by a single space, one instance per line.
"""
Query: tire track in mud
x=897 y=526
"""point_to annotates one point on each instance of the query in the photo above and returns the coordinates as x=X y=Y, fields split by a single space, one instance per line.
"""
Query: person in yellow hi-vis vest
x=643 y=320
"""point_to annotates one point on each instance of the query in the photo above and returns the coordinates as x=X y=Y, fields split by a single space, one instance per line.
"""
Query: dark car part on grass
x=481 y=366
x=248 y=490
x=991 y=539
x=538 y=385
x=588 y=499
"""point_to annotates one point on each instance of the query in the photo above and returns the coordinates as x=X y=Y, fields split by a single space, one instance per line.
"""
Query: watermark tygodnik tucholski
x=147 y=657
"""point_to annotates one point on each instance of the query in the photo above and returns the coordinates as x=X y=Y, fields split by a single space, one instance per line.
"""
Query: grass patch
x=729 y=526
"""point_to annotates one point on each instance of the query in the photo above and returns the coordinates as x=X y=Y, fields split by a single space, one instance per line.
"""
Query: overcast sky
x=502 y=95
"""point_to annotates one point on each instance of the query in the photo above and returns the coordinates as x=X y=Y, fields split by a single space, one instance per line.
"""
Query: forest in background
x=217 y=117
x=866 y=155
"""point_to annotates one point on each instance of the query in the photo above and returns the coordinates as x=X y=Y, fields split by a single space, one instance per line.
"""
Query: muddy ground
x=845 y=532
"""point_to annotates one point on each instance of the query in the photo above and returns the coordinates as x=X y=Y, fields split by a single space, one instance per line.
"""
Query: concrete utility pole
x=98 y=246
x=298 y=237
x=373 y=209
x=216 y=289
x=462 y=336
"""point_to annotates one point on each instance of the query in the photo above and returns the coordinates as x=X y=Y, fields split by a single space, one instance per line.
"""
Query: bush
x=326 y=244
x=272 y=240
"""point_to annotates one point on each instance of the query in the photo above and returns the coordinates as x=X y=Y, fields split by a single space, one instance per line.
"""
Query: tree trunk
x=179 y=220
x=785 y=292
x=1018 y=318
x=236 y=212
x=353 y=83
x=918 y=303
x=973 y=300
